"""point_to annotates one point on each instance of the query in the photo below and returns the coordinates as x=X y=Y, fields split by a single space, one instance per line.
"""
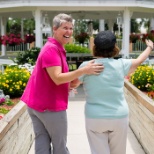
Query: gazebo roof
x=87 y=9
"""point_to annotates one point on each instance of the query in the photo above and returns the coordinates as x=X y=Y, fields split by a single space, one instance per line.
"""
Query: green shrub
x=28 y=56
x=143 y=78
x=73 y=48
x=14 y=80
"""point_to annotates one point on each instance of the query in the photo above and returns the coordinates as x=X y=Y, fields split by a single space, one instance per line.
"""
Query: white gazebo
x=104 y=10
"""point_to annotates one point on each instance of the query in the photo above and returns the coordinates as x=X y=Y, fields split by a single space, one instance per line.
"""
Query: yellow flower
x=20 y=82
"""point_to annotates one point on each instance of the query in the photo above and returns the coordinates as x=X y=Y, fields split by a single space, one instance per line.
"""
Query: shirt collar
x=54 y=41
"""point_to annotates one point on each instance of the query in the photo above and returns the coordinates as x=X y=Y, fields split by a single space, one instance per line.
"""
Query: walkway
x=77 y=141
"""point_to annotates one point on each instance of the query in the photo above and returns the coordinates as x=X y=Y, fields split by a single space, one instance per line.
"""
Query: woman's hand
x=142 y=57
x=75 y=83
x=93 y=68
x=149 y=43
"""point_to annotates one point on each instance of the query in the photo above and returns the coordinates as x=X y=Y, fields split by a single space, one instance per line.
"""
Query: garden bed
x=5 y=108
x=16 y=133
x=141 y=116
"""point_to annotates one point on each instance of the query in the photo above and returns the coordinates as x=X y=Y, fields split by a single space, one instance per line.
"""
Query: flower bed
x=16 y=133
x=12 y=83
x=141 y=117
x=139 y=93
x=6 y=107
x=13 y=80
x=143 y=79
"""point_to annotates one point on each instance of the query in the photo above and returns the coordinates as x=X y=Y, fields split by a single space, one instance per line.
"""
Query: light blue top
x=104 y=92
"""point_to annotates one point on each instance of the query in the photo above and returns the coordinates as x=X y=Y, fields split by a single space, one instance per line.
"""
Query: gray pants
x=50 y=130
x=107 y=136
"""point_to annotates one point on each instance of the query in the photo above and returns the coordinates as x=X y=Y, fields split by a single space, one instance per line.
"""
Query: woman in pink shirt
x=46 y=93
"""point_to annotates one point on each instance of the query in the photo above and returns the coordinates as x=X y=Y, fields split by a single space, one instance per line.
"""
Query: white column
x=22 y=28
x=126 y=33
x=38 y=28
x=152 y=24
x=101 y=25
x=3 y=32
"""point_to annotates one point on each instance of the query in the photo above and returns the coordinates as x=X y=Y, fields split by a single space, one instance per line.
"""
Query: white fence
x=135 y=47
x=138 y=46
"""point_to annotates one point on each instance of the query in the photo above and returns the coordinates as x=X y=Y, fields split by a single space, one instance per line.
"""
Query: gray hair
x=60 y=18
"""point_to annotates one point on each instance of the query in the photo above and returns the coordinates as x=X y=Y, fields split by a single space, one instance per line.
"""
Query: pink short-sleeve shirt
x=41 y=93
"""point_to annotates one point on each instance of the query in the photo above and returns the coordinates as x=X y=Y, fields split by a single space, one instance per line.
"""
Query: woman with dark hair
x=106 y=110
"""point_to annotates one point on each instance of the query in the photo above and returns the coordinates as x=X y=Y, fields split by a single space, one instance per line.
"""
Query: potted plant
x=134 y=37
x=81 y=37
x=29 y=38
x=148 y=36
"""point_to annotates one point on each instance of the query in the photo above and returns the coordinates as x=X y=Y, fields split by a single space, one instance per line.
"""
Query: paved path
x=77 y=140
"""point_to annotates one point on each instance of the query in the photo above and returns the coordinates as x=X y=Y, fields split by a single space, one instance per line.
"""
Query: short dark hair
x=106 y=53
x=105 y=45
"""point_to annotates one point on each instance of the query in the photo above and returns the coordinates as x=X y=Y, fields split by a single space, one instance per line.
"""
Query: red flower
x=2 y=100
x=11 y=39
x=148 y=36
x=152 y=31
x=151 y=94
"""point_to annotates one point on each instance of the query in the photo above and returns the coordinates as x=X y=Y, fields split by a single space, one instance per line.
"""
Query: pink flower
x=1 y=117
x=2 y=100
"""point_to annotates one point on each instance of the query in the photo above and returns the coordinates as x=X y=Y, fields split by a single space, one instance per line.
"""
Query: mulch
x=9 y=107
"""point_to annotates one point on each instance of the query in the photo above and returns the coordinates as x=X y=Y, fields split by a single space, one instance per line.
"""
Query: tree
x=29 y=26
x=95 y=24
x=14 y=25
x=135 y=26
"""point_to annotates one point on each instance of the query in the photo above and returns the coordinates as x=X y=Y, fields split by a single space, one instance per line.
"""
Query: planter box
x=16 y=133
x=141 y=116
